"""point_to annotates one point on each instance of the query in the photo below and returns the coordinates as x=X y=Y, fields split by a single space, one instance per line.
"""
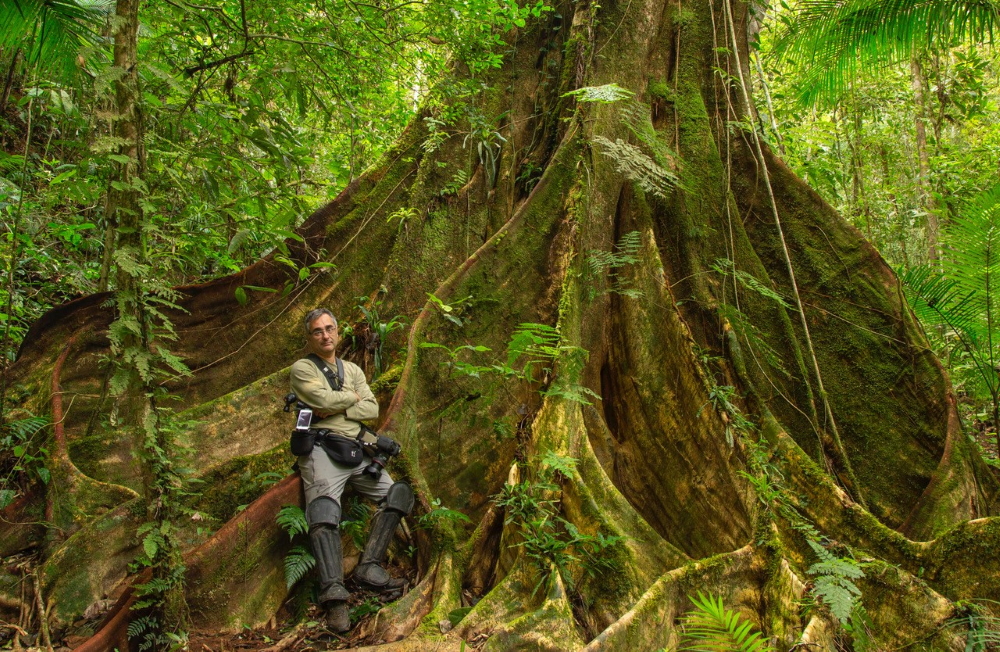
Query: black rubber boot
x=337 y=617
x=326 y=547
x=369 y=574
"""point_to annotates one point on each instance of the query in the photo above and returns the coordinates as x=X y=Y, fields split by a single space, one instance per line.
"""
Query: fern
x=710 y=627
x=298 y=562
x=726 y=267
x=834 y=584
x=292 y=520
x=606 y=94
x=624 y=253
x=636 y=166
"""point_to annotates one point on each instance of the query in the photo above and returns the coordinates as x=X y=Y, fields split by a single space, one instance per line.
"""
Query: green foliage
x=835 y=39
x=23 y=457
x=983 y=629
x=834 y=582
x=292 y=520
x=606 y=94
x=368 y=606
x=548 y=539
x=600 y=263
x=253 y=114
x=721 y=398
x=457 y=183
x=710 y=627
x=962 y=296
x=52 y=33
x=298 y=562
x=632 y=163
x=452 y=312
x=533 y=349
x=726 y=268
x=439 y=513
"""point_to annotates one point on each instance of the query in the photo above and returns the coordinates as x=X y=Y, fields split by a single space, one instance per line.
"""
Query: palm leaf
x=833 y=40
x=941 y=301
x=972 y=245
x=52 y=33
x=710 y=627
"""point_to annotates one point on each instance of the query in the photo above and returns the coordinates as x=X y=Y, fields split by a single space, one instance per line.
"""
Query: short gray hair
x=313 y=315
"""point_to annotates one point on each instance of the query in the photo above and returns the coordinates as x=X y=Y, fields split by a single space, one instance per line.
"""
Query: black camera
x=292 y=399
x=380 y=450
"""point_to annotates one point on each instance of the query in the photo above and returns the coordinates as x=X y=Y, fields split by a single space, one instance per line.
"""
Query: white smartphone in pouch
x=305 y=419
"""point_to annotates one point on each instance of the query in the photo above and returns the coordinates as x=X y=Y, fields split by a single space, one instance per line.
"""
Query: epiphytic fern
x=834 y=584
x=605 y=94
x=636 y=166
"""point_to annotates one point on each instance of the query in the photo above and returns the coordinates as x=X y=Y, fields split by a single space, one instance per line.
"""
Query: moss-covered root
x=651 y=623
x=241 y=565
x=91 y=563
x=963 y=563
x=906 y=613
x=398 y=620
x=550 y=628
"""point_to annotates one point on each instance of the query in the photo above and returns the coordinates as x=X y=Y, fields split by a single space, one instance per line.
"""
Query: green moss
x=240 y=481
x=387 y=382
x=659 y=89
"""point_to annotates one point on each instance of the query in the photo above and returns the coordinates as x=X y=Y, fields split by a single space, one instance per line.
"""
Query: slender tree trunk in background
x=108 y=250
x=123 y=210
x=923 y=158
x=9 y=81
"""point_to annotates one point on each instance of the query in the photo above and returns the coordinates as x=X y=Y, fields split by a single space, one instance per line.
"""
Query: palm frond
x=52 y=33
x=938 y=300
x=710 y=627
x=972 y=239
x=835 y=39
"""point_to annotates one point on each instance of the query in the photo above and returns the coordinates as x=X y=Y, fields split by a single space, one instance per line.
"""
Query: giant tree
x=644 y=359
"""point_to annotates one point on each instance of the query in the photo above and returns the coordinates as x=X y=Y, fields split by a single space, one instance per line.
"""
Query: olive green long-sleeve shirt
x=344 y=408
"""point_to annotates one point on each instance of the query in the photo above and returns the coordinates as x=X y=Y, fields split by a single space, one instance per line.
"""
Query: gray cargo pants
x=321 y=476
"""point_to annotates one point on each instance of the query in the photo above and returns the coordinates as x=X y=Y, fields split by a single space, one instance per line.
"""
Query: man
x=341 y=411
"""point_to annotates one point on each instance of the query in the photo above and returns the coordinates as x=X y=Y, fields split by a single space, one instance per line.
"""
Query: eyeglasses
x=329 y=330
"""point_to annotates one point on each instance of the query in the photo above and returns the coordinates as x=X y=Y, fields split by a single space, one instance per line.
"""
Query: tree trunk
x=673 y=303
x=923 y=158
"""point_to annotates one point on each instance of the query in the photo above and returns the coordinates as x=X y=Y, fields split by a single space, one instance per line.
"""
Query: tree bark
x=692 y=465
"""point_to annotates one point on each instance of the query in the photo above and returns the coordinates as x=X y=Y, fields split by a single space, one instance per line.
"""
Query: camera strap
x=336 y=379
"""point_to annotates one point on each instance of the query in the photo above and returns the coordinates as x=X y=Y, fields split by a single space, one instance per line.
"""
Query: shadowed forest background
x=682 y=311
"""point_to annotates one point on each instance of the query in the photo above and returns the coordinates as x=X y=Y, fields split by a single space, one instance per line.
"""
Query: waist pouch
x=342 y=450
x=303 y=441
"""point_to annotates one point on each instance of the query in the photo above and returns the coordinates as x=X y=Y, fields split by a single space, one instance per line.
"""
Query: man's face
x=323 y=337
